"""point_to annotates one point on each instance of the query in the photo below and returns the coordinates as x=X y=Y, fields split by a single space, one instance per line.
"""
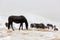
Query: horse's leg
x=12 y=26
x=51 y=27
x=8 y=26
x=20 y=26
x=26 y=23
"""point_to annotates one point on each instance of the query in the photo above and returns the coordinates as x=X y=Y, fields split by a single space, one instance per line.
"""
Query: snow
x=31 y=34
x=28 y=35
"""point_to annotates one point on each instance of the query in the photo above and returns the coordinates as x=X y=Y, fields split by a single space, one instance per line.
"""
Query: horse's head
x=6 y=24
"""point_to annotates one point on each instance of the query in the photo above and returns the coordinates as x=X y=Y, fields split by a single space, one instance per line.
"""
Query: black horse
x=36 y=25
x=50 y=25
x=17 y=19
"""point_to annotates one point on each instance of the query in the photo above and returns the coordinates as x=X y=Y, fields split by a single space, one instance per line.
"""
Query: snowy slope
x=31 y=34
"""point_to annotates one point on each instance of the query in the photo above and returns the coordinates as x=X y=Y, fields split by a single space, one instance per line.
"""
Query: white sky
x=47 y=8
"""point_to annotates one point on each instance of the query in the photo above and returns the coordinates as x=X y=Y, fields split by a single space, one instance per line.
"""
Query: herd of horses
x=22 y=19
x=41 y=25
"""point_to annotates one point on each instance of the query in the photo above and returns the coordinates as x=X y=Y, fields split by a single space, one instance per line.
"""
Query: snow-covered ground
x=31 y=34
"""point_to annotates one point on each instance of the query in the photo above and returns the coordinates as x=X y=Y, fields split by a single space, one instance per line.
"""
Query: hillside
x=31 y=33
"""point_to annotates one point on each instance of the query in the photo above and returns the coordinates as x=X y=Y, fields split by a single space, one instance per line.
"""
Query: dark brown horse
x=50 y=25
x=36 y=25
x=17 y=19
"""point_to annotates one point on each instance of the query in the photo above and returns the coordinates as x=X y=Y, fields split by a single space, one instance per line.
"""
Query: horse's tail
x=26 y=23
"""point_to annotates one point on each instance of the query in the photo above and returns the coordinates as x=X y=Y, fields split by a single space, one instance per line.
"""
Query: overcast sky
x=46 y=8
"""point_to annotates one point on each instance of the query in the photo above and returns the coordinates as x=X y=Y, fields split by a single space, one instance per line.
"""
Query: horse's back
x=17 y=19
x=49 y=25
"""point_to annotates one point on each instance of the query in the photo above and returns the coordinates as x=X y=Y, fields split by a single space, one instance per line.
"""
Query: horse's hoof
x=19 y=29
x=26 y=29
x=13 y=30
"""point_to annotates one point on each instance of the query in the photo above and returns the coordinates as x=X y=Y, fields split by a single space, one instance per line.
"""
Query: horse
x=16 y=19
x=55 y=28
x=36 y=25
x=33 y=25
x=50 y=25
